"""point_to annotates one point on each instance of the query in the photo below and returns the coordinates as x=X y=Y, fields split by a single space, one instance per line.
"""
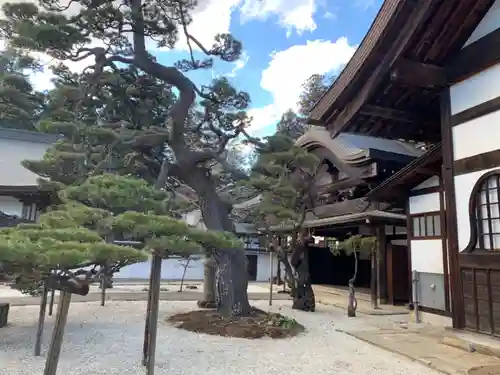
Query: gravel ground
x=108 y=341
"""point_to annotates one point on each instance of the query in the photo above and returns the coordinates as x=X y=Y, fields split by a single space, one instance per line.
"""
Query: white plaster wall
x=488 y=24
x=11 y=206
x=475 y=90
x=431 y=182
x=12 y=153
x=427 y=256
x=171 y=269
x=424 y=203
x=263 y=264
x=477 y=136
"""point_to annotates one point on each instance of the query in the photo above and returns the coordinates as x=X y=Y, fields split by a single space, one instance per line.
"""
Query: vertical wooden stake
x=41 y=321
x=153 y=315
x=51 y=304
x=271 y=279
x=104 y=279
x=145 y=346
x=58 y=334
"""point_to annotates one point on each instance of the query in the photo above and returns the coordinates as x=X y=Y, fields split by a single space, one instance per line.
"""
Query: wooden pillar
x=381 y=263
x=457 y=298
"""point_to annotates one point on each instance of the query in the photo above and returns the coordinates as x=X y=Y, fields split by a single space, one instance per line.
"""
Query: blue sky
x=285 y=42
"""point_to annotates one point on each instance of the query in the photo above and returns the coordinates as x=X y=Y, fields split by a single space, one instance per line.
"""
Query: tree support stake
x=41 y=321
x=58 y=333
x=153 y=315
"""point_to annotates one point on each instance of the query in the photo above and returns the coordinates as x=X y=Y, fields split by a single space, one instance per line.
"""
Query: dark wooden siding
x=481 y=291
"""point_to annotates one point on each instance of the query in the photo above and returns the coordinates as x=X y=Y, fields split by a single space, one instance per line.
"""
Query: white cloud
x=238 y=65
x=365 y=4
x=212 y=17
x=330 y=16
x=292 y=14
x=289 y=69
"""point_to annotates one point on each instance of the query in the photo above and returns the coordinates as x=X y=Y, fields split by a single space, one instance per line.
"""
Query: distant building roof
x=353 y=148
x=410 y=176
x=352 y=144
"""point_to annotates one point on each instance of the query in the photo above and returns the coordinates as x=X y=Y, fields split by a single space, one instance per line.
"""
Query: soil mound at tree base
x=257 y=325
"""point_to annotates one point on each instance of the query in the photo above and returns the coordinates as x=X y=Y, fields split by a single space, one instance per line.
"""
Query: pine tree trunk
x=209 y=268
x=4 y=314
x=353 y=303
x=232 y=284
x=303 y=298
x=231 y=278
x=278 y=274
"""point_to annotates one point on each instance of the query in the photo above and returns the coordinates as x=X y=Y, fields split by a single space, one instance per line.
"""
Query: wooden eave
x=359 y=218
x=391 y=85
x=408 y=177
x=363 y=59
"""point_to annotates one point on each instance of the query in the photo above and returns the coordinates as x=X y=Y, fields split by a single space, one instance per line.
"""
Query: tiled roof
x=348 y=145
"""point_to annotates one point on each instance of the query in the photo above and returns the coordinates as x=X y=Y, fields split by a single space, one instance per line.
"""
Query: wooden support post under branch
x=67 y=286
x=41 y=321
x=58 y=334
x=153 y=314
x=51 y=303
x=416 y=74
x=145 y=346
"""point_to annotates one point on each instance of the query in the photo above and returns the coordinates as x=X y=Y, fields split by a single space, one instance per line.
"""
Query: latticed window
x=488 y=214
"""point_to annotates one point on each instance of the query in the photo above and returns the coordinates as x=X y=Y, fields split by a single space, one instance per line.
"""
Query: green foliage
x=283 y=321
x=283 y=176
x=358 y=243
x=76 y=233
x=312 y=91
x=20 y=106
x=118 y=194
x=31 y=252
x=292 y=125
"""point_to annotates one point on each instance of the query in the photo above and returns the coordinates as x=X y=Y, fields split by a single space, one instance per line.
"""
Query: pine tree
x=353 y=245
x=20 y=105
x=294 y=123
x=312 y=91
x=189 y=144
x=291 y=125
x=284 y=176
x=76 y=237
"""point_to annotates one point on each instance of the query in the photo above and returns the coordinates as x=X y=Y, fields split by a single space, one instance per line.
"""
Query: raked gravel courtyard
x=108 y=341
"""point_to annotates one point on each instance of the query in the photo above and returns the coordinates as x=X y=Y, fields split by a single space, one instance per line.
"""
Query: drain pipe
x=415 y=284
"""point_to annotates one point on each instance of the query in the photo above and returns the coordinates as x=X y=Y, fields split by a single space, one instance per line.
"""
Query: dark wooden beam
x=390 y=114
x=477 y=163
x=415 y=19
x=475 y=57
x=416 y=74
